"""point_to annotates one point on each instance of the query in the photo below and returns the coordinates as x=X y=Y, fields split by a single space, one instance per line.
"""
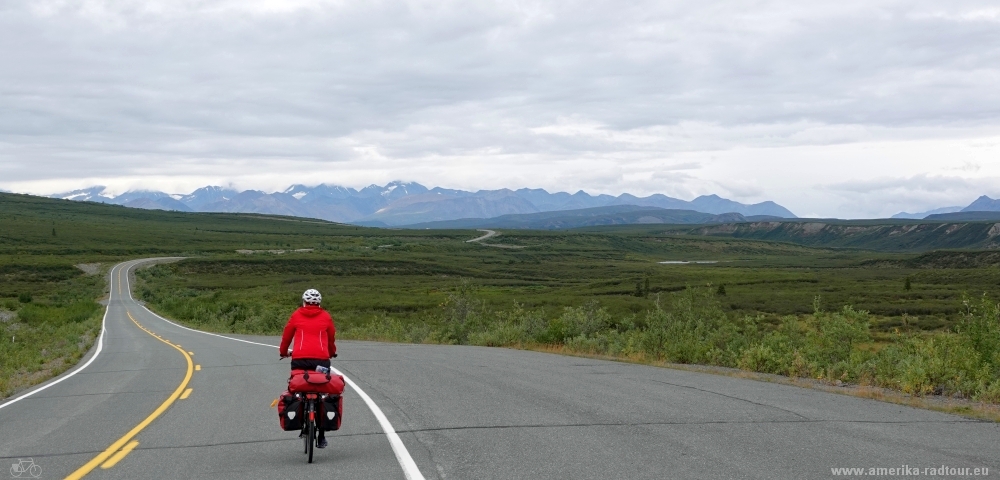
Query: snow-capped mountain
x=403 y=203
x=197 y=199
x=92 y=194
x=308 y=194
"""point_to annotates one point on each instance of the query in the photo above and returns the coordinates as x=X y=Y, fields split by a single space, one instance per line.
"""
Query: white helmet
x=312 y=296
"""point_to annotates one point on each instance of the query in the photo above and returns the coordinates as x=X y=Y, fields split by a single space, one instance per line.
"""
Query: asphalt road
x=461 y=412
x=488 y=234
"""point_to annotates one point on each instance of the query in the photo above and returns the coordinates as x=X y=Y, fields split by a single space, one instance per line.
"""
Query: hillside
x=965 y=216
x=893 y=235
x=44 y=226
x=943 y=259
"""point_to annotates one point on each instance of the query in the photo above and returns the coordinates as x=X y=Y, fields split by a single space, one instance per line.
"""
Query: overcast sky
x=838 y=109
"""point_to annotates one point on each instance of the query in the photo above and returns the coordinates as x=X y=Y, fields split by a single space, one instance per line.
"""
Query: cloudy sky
x=848 y=109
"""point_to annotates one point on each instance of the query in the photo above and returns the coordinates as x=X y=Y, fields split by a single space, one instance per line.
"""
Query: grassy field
x=916 y=322
x=49 y=317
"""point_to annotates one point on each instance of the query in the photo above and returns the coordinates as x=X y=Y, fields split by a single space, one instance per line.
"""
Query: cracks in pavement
x=502 y=427
x=132 y=370
x=731 y=397
x=183 y=369
x=145 y=392
x=246 y=442
x=196 y=445
x=428 y=449
x=51 y=455
x=237 y=365
x=706 y=422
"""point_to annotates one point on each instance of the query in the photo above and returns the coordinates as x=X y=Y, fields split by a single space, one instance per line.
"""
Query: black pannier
x=290 y=412
x=332 y=411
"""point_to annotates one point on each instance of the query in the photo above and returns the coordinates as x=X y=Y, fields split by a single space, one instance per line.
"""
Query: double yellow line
x=118 y=450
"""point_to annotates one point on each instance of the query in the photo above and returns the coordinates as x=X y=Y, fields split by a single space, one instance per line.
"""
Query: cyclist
x=311 y=333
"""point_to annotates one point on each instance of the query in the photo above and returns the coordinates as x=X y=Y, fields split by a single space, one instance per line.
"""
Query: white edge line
x=410 y=469
x=100 y=344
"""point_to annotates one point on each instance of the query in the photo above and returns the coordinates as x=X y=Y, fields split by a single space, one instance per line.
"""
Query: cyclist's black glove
x=334 y=355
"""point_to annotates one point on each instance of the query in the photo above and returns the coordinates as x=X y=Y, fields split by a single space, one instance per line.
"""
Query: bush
x=761 y=358
x=831 y=338
x=693 y=328
x=35 y=314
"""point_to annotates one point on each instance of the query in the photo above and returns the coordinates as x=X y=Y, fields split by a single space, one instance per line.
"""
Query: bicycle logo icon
x=25 y=466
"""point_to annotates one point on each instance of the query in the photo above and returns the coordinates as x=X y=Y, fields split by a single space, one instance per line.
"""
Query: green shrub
x=980 y=327
x=694 y=327
x=831 y=338
x=761 y=358
x=35 y=314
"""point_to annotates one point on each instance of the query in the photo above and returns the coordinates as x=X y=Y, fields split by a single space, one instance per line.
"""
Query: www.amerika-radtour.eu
x=908 y=471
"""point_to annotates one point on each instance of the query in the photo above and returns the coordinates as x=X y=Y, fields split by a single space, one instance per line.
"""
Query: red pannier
x=290 y=412
x=332 y=411
x=312 y=381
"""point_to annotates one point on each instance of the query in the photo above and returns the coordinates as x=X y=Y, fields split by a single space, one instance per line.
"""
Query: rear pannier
x=290 y=412
x=332 y=411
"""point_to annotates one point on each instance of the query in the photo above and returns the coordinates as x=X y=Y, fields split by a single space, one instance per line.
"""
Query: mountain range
x=981 y=204
x=407 y=203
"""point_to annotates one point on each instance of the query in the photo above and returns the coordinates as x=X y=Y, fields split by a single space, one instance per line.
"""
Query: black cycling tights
x=309 y=363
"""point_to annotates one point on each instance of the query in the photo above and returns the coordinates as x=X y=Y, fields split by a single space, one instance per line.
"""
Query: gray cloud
x=917 y=193
x=568 y=95
x=917 y=184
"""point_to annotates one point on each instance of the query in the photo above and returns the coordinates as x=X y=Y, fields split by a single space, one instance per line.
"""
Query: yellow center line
x=120 y=455
x=197 y=367
x=106 y=454
x=186 y=394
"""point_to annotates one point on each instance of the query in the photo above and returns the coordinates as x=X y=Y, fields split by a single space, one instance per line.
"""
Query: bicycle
x=25 y=466
x=311 y=402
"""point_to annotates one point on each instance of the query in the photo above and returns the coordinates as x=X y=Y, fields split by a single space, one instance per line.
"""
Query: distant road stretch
x=489 y=233
x=164 y=401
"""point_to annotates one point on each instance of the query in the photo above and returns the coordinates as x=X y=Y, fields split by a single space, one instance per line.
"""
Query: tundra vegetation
x=919 y=322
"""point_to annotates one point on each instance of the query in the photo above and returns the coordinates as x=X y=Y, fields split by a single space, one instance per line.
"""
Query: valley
x=608 y=290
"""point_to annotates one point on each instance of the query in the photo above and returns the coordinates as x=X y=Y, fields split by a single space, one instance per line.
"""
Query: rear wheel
x=312 y=438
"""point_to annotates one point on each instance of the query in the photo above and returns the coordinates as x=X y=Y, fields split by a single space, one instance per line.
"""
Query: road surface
x=488 y=234
x=458 y=412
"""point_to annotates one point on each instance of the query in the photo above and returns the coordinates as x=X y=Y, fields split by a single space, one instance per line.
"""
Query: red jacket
x=313 y=333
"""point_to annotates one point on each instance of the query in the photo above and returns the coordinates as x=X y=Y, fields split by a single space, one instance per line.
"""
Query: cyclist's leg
x=321 y=416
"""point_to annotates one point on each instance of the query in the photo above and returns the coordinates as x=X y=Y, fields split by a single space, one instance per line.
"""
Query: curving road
x=488 y=234
x=459 y=412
